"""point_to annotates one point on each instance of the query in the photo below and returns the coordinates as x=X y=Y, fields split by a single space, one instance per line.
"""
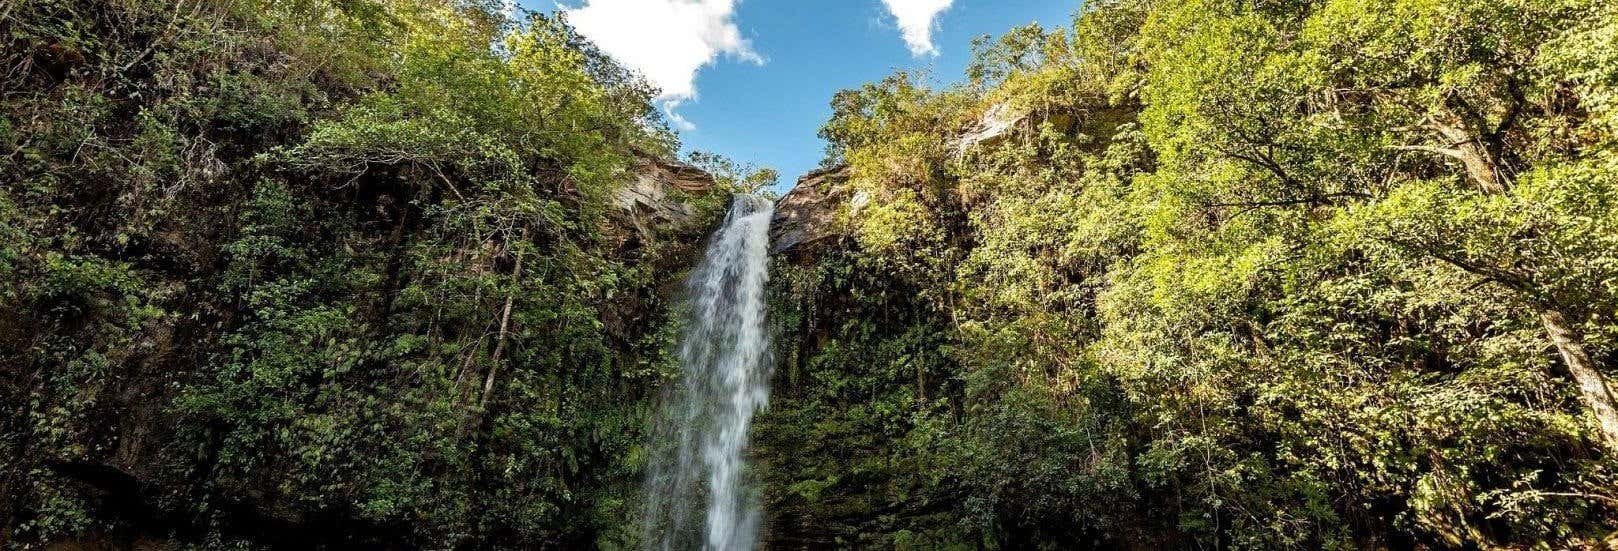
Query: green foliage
x=321 y=264
x=1265 y=275
x=1280 y=274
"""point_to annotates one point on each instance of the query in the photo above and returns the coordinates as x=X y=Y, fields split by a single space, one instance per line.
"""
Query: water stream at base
x=696 y=495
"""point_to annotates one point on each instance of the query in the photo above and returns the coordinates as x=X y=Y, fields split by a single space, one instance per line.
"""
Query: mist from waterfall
x=696 y=493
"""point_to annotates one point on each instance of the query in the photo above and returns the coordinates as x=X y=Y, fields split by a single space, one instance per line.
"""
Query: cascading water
x=701 y=433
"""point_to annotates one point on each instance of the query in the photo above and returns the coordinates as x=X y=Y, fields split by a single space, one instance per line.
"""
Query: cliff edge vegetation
x=1260 y=275
x=329 y=273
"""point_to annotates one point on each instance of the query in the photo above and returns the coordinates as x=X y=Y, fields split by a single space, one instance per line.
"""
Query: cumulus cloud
x=666 y=40
x=915 y=19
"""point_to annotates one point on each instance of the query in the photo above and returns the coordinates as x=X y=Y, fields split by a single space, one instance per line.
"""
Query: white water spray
x=701 y=434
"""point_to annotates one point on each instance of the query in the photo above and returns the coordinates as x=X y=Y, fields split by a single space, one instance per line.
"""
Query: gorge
x=388 y=274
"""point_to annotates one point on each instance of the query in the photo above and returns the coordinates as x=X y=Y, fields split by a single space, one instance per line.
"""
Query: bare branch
x=1447 y=152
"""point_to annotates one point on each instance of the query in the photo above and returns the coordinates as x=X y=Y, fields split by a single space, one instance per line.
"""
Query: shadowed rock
x=806 y=216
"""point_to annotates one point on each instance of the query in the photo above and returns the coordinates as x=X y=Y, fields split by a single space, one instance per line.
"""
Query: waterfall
x=700 y=434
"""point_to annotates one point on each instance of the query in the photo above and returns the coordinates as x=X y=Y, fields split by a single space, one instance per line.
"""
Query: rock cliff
x=807 y=216
x=660 y=196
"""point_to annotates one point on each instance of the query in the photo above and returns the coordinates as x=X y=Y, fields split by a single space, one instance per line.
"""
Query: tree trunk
x=1487 y=165
x=1485 y=169
x=1593 y=386
x=500 y=342
x=1479 y=155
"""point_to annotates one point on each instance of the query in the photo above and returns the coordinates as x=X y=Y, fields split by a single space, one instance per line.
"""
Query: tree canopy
x=1257 y=274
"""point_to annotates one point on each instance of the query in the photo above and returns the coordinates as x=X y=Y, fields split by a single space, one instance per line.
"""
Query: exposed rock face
x=1003 y=121
x=807 y=215
x=660 y=196
x=665 y=203
x=992 y=128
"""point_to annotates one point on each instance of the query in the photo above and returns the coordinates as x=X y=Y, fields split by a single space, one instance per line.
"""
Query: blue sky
x=752 y=79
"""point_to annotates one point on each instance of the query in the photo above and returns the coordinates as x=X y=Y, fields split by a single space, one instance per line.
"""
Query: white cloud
x=916 y=22
x=666 y=40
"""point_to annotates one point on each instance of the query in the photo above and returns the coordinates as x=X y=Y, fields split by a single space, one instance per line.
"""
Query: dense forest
x=322 y=273
x=293 y=274
x=1211 y=274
